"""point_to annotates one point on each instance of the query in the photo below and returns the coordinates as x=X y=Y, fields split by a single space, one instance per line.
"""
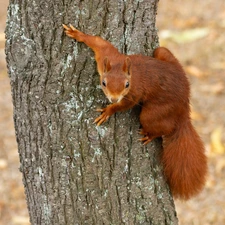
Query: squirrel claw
x=141 y=131
x=65 y=27
x=145 y=140
x=72 y=27
x=99 y=110
x=101 y=119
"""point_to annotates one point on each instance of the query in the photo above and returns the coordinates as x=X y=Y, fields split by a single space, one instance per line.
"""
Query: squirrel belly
x=162 y=87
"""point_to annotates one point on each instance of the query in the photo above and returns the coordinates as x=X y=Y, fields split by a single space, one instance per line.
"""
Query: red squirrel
x=159 y=83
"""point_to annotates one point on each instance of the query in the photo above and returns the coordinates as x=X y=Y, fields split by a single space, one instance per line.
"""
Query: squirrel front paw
x=73 y=32
x=106 y=113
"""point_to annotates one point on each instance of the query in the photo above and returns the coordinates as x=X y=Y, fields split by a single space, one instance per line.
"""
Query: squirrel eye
x=104 y=83
x=127 y=85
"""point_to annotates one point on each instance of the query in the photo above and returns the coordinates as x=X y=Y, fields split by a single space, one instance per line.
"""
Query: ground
x=193 y=30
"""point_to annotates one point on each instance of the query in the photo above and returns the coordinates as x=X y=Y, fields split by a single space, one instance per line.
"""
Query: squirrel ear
x=106 y=65
x=127 y=66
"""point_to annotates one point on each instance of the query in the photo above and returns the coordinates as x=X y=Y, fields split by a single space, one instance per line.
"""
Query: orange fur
x=161 y=85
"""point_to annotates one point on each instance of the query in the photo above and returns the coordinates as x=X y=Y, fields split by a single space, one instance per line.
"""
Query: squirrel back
x=183 y=156
x=162 y=87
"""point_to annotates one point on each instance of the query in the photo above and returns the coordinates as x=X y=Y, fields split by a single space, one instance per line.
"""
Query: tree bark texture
x=73 y=171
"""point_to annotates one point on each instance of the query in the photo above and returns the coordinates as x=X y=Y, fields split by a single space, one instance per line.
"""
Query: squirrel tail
x=164 y=54
x=184 y=161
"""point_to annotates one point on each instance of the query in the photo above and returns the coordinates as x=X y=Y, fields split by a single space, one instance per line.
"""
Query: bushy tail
x=184 y=162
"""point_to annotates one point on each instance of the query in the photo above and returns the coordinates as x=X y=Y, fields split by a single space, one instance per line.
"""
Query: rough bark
x=73 y=171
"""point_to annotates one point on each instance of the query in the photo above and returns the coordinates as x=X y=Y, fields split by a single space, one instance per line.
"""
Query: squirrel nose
x=114 y=100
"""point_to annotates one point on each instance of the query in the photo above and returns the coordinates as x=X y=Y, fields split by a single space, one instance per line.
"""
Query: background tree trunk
x=73 y=171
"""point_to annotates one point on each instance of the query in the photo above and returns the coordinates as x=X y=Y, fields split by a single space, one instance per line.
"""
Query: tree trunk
x=73 y=171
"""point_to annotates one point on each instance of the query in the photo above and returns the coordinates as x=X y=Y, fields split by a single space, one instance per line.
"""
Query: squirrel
x=160 y=84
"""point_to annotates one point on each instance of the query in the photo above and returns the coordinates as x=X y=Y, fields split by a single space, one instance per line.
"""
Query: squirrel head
x=115 y=80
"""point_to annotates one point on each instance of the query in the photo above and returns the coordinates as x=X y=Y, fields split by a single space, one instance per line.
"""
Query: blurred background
x=194 y=31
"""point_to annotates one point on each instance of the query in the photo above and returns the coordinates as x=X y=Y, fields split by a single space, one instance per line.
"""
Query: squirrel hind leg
x=142 y=132
x=146 y=140
x=147 y=137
